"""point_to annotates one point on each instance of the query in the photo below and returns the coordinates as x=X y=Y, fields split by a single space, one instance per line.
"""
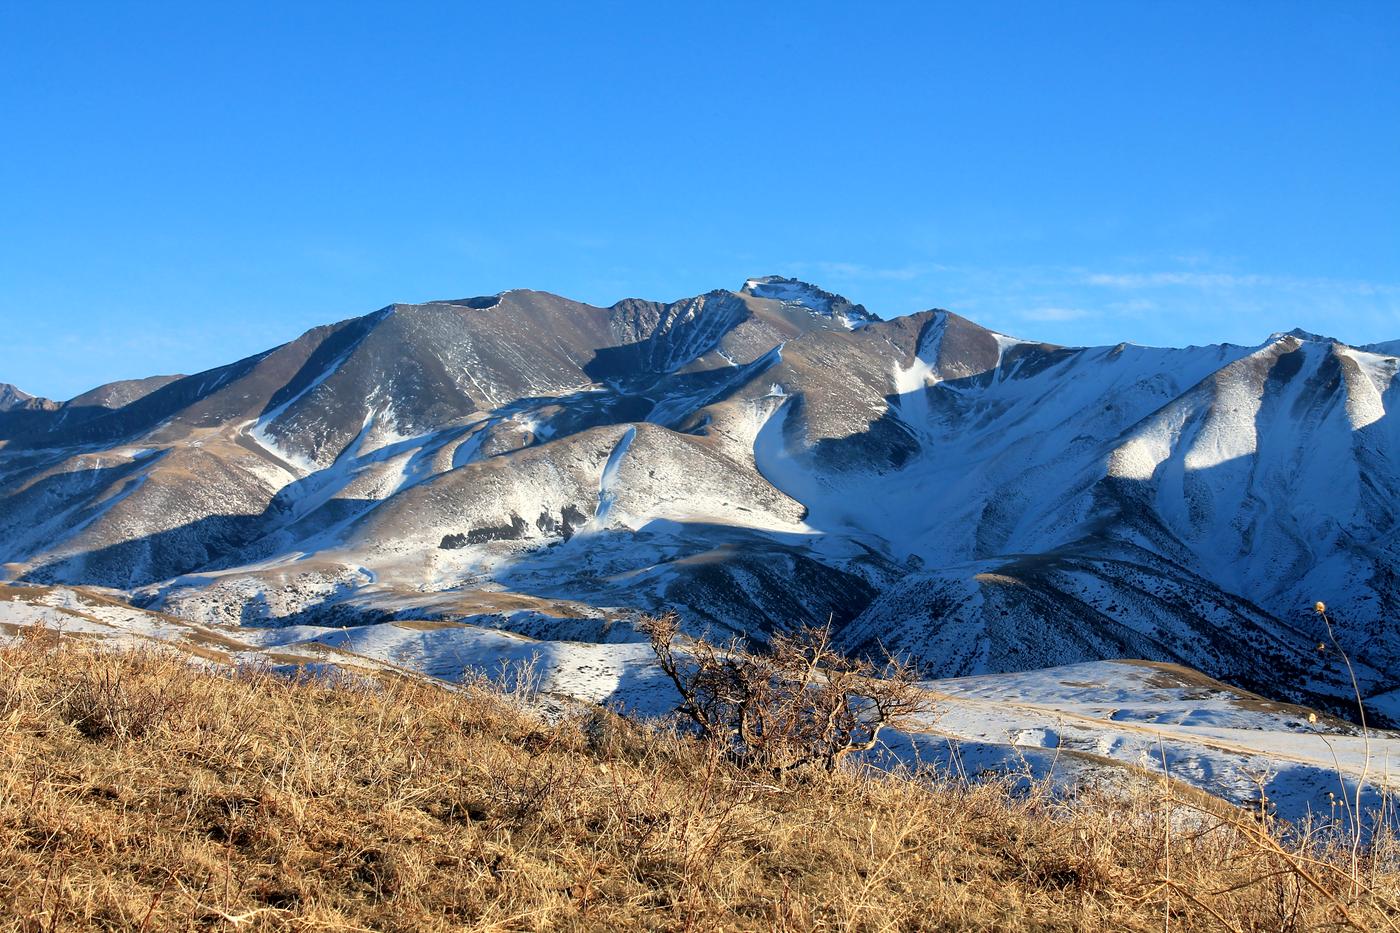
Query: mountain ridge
x=757 y=458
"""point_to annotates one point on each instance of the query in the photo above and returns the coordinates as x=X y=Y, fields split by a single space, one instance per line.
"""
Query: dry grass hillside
x=139 y=792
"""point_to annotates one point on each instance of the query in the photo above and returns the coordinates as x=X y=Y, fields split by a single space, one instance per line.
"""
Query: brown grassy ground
x=138 y=792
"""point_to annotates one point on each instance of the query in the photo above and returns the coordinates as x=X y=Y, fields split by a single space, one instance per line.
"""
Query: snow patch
x=607 y=485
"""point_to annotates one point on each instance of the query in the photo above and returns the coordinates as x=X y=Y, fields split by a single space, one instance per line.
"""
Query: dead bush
x=801 y=705
x=117 y=702
x=20 y=658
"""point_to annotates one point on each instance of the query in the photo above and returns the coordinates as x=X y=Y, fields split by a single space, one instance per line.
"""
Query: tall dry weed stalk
x=1356 y=813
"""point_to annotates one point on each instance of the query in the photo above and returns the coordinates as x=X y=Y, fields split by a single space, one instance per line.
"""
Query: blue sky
x=182 y=185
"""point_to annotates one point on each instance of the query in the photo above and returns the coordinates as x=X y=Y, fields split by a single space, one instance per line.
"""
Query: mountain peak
x=805 y=295
x=1385 y=348
x=479 y=303
x=1305 y=335
x=12 y=397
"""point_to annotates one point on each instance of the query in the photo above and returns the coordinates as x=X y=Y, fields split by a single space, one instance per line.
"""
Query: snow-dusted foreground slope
x=1160 y=718
x=753 y=459
x=1075 y=723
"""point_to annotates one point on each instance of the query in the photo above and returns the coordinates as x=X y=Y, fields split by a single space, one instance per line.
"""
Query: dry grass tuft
x=140 y=792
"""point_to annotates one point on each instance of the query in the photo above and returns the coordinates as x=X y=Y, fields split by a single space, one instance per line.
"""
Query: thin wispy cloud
x=1057 y=314
x=1165 y=300
x=1234 y=280
x=1177 y=279
x=855 y=272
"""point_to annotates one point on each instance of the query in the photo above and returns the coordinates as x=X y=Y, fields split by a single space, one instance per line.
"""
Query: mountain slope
x=1069 y=725
x=754 y=458
x=149 y=793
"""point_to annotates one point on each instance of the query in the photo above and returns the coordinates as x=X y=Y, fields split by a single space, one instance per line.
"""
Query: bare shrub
x=40 y=639
x=109 y=701
x=517 y=680
x=802 y=705
x=32 y=646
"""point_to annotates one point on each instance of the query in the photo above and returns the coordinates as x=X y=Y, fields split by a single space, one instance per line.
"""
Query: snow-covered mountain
x=752 y=458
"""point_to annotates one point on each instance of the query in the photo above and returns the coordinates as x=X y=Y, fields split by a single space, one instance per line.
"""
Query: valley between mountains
x=442 y=485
